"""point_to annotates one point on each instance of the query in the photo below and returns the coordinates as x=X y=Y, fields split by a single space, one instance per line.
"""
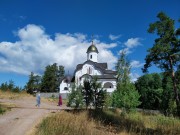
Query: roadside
x=25 y=115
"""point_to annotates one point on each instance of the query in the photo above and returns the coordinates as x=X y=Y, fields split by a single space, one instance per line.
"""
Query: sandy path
x=22 y=118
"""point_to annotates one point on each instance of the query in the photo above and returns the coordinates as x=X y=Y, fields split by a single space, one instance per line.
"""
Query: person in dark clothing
x=60 y=100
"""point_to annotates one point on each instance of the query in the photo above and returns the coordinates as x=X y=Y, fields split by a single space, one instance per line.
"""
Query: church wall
x=94 y=71
x=86 y=69
x=110 y=90
x=62 y=86
x=93 y=56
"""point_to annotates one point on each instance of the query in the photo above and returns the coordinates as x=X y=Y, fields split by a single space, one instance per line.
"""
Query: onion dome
x=92 y=48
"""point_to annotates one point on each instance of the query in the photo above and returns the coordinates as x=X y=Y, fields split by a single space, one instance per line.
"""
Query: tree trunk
x=175 y=87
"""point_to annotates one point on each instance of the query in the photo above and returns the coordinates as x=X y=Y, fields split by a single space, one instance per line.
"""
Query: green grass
x=107 y=122
x=2 y=110
x=139 y=123
x=4 y=107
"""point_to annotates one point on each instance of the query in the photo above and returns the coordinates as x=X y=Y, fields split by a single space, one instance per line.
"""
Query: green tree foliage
x=4 y=86
x=123 y=69
x=165 y=51
x=168 y=102
x=177 y=76
x=90 y=94
x=51 y=78
x=99 y=93
x=169 y=106
x=149 y=87
x=125 y=96
x=33 y=83
x=75 y=98
x=87 y=93
x=10 y=87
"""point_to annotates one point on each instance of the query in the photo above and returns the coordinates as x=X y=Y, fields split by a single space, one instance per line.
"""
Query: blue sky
x=36 y=33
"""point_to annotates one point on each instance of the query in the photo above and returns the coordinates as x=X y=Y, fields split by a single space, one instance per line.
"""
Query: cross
x=92 y=38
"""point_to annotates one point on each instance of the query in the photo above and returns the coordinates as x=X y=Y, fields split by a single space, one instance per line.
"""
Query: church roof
x=109 y=76
x=98 y=65
x=67 y=78
x=110 y=72
x=102 y=66
x=92 y=48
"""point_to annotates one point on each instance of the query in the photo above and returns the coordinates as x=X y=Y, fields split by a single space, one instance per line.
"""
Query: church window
x=90 y=70
x=91 y=56
x=108 y=85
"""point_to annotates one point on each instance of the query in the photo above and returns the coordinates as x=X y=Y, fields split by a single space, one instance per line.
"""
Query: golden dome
x=92 y=48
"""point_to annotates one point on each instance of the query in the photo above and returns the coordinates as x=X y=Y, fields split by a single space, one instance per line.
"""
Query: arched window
x=65 y=88
x=90 y=70
x=108 y=85
x=91 y=56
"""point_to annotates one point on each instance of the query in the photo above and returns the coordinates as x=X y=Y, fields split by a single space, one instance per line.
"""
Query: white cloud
x=126 y=51
x=132 y=42
x=114 y=37
x=134 y=77
x=136 y=64
x=36 y=49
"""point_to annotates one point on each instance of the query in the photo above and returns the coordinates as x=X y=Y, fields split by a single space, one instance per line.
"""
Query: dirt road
x=24 y=116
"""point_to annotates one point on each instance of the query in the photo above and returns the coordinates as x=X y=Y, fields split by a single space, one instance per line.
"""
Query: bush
x=75 y=98
x=126 y=97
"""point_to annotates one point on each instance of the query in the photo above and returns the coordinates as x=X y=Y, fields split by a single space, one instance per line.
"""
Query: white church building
x=88 y=70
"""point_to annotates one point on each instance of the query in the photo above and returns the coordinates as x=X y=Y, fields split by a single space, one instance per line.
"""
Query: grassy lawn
x=107 y=122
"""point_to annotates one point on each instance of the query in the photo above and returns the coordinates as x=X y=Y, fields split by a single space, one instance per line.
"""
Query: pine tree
x=123 y=69
x=34 y=83
x=51 y=78
x=165 y=52
x=125 y=96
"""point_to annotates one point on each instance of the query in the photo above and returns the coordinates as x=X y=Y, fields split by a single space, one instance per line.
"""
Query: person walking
x=60 y=100
x=38 y=100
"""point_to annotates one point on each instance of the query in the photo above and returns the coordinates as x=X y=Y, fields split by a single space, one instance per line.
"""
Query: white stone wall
x=86 y=69
x=111 y=81
x=93 y=56
x=62 y=86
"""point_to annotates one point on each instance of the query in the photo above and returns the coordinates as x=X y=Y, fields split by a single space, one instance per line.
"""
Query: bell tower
x=92 y=53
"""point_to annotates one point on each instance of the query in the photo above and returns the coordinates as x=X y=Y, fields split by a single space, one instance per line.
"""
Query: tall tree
x=165 y=50
x=51 y=78
x=33 y=83
x=123 y=69
x=167 y=105
x=125 y=96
